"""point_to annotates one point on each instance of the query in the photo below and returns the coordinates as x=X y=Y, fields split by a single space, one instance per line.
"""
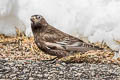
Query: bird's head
x=38 y=20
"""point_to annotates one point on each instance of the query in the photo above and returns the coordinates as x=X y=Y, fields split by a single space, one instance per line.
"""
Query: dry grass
x=20 y=48
x=24 y=48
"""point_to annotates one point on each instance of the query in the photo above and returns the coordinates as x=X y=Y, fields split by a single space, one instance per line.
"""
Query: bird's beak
x=33 y=19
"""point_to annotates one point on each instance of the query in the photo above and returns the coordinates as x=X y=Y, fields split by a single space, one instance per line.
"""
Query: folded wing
x=69 y=46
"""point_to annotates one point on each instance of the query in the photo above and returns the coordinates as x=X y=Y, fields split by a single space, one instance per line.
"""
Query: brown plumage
x=55 y=42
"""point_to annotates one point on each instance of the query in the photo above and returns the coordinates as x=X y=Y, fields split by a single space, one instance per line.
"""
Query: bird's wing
x=54 y=46
x=72 y=46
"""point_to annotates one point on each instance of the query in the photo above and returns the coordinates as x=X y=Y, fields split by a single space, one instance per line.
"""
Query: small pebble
x=72 y=71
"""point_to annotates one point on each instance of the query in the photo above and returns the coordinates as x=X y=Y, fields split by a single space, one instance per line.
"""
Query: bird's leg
x=51 y=60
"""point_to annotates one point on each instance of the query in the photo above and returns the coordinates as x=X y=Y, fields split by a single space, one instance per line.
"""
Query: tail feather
x=82 y=49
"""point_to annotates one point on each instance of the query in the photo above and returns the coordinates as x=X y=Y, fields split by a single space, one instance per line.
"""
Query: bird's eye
x=38 y=17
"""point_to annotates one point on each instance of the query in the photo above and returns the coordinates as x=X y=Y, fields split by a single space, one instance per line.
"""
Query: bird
x=55 y=42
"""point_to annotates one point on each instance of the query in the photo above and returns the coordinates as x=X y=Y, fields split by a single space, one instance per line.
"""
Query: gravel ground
x=34 y=70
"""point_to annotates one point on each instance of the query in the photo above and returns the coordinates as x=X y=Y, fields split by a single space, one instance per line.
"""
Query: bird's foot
x=53 y=61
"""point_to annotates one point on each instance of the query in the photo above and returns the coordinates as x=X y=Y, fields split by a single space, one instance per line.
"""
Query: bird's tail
x=82 y=48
